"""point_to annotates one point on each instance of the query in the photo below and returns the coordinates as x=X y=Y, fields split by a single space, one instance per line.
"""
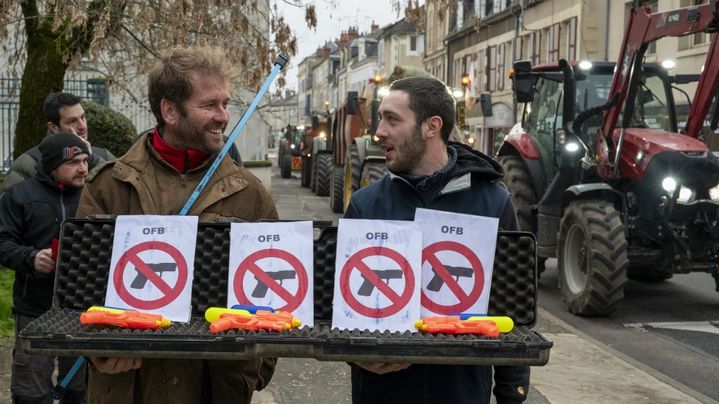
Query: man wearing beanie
x=30 y=216
x=64 y=113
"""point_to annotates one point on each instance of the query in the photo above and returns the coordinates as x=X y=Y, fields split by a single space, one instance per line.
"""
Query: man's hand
x=116 y=365
x=44 y=262
x=381 y=367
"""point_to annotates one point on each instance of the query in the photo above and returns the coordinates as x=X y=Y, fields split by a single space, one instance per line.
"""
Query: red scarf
x=181 y=160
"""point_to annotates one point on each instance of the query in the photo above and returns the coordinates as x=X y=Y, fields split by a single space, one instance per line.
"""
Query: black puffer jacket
x=30 y=216
x=465 y=185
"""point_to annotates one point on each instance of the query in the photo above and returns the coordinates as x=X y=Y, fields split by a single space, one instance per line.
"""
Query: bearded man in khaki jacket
x=189 y=96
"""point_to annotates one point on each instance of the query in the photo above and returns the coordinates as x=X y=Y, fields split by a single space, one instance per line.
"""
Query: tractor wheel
x=646 y=274
x=286 y=166
x=313 y=173
x=337 y=189
x=305 y=172
x=524 y=196
x=592 y=257
x=323 y=171
x=352 y=172
x=281 y=153
x=372 y=171
x=519 y=185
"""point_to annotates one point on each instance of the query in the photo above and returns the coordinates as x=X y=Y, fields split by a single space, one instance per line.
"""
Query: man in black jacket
x=64 y=113
x=428 y=171
x=30 y=217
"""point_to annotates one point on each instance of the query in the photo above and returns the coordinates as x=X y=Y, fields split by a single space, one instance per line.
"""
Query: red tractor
x=601 y=174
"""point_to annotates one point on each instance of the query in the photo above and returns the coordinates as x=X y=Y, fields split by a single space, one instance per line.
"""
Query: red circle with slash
x=398 y=301
x=466 y=300
x=170 y=293
x=249 y=264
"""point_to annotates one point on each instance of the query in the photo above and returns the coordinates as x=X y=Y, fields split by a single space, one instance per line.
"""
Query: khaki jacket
x=140 y=182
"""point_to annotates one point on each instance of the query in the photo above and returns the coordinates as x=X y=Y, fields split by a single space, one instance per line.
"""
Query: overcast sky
x=333 y=16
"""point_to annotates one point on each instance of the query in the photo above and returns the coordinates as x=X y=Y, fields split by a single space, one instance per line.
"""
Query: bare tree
x=123 y=38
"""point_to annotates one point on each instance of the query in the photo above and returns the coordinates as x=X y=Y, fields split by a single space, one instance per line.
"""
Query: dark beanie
x=59 y=148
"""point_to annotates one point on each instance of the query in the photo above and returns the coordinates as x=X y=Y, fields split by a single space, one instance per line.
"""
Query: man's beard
x=195 y=136
x=409 y=153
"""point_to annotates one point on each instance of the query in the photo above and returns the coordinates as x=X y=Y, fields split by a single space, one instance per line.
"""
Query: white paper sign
x=457 y=261
x=152 y=265
x=271 y=264
x=377 y=275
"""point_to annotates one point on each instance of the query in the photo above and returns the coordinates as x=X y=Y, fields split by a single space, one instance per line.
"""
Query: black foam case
x=81 y=280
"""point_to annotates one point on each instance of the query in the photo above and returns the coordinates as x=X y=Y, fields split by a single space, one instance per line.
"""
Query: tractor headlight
x=669 y=184
x=571 y=147
x=714 y=194
x=686 y=195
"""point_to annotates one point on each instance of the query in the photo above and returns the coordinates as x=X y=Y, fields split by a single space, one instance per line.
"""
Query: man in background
x=30 y=216
x=64 y=113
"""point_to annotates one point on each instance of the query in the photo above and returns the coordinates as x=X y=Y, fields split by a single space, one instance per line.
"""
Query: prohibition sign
x=429 y=255
x=249 y=264
x=170 y=293
x=398 y=301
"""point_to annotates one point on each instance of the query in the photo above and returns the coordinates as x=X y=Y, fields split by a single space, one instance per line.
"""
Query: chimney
x=374 y=27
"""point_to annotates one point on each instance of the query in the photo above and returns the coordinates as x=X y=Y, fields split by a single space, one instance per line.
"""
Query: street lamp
x=377 y=80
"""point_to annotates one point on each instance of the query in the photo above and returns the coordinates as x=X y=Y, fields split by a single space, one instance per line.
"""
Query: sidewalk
x=580 y=370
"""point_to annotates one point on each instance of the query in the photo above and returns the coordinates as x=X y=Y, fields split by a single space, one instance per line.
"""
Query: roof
x=402 y=26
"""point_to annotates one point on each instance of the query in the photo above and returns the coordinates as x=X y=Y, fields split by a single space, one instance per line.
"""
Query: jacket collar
x=180 y=160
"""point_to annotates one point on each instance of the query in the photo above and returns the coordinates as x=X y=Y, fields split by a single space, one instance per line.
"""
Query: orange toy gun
x=453 y=325
x=222 y=319
x=98 y=315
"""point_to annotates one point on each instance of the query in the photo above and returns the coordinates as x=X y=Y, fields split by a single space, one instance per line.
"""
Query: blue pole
x=279 y=64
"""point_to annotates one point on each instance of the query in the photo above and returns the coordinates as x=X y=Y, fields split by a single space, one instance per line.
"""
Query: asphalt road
x=671 y=327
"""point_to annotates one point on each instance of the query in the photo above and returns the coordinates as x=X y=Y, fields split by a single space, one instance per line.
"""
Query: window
x=413 y=43
x=500 y=67
x=698 y=39
x=569 y=38
x=492 y=68
x=553 y=43
x=652 y=49
x=482 y=76
x=457 y=72
x=536 y=47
